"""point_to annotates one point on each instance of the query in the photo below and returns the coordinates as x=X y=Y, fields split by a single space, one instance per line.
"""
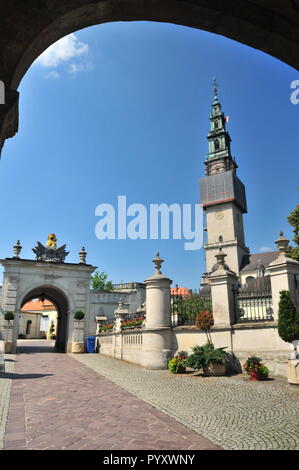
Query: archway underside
x=61 y=304
x=28 y=27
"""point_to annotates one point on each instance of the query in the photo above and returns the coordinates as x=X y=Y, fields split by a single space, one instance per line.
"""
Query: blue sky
x=123 y=109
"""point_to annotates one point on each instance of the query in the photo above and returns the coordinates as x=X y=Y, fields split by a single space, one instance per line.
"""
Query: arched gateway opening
x=58 y=298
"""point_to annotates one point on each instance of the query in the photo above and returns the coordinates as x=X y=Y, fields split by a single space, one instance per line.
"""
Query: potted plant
x=256 y=369
x=79 y=315
x=212 y=360
x=288 y=330
x=177 y=365
x=9 y=316
x=52 y=334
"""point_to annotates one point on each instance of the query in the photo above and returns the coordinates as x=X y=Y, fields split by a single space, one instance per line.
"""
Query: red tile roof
x=183 y=291
x=34 y=305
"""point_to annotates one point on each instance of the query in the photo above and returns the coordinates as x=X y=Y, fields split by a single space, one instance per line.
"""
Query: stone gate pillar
x=157 y=335
x=78 y=345
x=223 y=284
x=284 y=273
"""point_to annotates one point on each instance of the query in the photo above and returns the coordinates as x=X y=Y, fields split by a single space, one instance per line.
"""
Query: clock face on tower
x=219 y=215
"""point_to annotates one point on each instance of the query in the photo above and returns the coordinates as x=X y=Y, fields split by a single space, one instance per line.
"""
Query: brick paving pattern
x=58 y=403
x=229 y=411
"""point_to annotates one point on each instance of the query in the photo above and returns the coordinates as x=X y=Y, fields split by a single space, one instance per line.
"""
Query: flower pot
x=293 y=372
x=254 y=376
x=214 y=370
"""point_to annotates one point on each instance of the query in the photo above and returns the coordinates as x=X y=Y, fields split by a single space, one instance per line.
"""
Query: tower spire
x=215 y=84
x=219 y=158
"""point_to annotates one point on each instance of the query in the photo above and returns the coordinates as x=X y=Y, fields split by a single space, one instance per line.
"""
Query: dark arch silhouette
x=28 y=27
x=59 y=299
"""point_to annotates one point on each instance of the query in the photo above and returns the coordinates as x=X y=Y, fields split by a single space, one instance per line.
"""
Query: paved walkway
x=57 y=402
x=229 y=411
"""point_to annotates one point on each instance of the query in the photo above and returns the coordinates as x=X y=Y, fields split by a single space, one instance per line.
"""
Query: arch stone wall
x=23 y=278
x=28 y=27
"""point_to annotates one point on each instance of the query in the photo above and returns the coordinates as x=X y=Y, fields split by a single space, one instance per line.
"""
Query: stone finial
x=220 y=256
x=220 y=265
x=282 y=244
x=17 y=249
x=121 y=311
x=82 y=256
x=158 y=262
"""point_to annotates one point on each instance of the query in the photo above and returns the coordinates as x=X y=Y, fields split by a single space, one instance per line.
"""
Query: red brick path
x=58 y=403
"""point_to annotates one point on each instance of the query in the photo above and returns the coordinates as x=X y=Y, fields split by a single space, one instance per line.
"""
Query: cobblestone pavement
x=229 y=411
x=58 y=403
x=5 y=387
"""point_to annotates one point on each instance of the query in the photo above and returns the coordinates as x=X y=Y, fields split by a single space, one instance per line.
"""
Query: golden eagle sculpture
x=50 y=253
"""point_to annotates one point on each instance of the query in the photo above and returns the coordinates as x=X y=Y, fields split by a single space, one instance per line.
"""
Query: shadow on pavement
x=12 y=376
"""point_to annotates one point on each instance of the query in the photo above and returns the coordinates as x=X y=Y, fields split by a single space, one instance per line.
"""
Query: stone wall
x=136 y=346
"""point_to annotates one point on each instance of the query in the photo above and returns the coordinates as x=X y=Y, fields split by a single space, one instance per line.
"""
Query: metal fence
x=253 y=301
x=184 y=308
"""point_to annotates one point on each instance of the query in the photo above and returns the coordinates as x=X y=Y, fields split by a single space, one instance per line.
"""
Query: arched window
x=217 y=145
x=220 y=239
x=249 y=279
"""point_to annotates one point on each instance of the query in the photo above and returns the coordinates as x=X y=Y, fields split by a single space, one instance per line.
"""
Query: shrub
x=79 y=315
x=177 y=364
x=204 y=321
x=8 y=316
x=288 y=321
x=205 y=355
x=264 y=371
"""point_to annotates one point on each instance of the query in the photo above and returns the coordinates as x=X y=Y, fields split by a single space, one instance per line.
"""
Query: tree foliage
x=99 y=281
x=293 y=219
x=288 y=320
x=188 y=307
x=204 y=321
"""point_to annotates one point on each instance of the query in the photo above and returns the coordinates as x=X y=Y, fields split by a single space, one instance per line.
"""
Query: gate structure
x=67 y=285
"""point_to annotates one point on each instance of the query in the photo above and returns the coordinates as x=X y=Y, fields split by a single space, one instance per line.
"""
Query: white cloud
x=62 y=51
x=53 y=74
x=264 y=249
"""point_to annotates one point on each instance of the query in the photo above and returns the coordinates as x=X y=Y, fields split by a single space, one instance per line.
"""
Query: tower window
x=217 y=144
x=216 y=125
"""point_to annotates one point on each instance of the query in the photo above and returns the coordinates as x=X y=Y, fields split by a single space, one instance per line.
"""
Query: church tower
x=223 y=196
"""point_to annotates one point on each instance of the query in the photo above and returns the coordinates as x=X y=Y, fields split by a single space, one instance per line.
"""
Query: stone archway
x=67 y=285
x=29 y=27
x=59 y=299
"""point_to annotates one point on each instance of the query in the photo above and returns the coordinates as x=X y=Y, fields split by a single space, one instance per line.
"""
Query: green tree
x=99 y=281
x=288 y=320
x=293 y=219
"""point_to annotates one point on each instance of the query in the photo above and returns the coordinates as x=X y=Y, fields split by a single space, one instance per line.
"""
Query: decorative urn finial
x=220 y=256
x=220 y=265
x=282 y=244
x=17 y=249
x=158 y=262
x=82 y=255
